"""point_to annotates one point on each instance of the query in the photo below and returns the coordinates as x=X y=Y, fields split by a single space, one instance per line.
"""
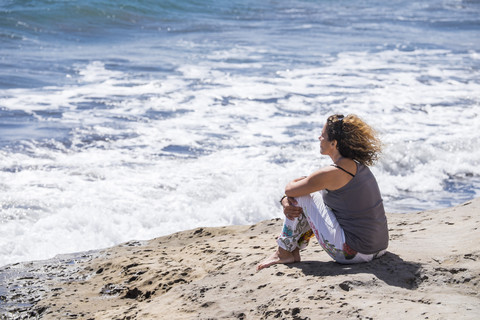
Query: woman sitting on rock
x=340 y=204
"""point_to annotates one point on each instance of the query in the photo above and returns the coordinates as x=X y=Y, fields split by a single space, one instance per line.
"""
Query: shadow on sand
x=389 y=268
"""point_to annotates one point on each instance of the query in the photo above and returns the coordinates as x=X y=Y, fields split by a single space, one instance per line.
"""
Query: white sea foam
x=205 y=147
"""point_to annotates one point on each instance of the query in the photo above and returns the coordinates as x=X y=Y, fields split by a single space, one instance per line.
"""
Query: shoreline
x=431 y=271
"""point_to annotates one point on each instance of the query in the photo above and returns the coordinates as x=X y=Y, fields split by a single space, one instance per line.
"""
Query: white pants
x=319 y=220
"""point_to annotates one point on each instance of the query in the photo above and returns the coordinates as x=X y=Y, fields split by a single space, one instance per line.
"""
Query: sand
x=431 y=271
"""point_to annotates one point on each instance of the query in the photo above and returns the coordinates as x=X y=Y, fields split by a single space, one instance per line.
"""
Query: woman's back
x=358 y=207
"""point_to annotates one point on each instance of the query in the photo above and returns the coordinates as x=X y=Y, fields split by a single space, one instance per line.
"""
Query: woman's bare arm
x=321 y=179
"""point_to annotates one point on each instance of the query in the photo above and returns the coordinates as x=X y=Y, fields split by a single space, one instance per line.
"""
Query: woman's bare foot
x=280 y=256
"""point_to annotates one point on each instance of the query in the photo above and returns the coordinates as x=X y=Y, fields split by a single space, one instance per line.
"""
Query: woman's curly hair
x=355 y=139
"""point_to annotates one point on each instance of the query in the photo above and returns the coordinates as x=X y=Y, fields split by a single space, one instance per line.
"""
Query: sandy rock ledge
x=432 y=271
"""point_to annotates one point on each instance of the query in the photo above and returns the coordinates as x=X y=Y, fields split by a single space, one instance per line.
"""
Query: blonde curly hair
x=355 y=139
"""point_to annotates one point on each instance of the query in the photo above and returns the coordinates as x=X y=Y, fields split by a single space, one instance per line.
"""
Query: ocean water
x=124 y=120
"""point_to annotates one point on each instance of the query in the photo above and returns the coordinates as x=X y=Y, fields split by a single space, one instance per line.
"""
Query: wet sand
x=431 y=271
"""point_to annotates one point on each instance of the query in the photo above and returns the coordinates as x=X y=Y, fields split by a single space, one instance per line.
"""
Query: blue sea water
x=126 y=120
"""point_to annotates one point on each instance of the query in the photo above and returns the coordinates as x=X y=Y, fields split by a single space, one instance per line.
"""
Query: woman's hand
x=290 y=208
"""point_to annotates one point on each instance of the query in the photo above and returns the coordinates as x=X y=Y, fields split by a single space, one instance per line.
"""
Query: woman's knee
x=304 y=201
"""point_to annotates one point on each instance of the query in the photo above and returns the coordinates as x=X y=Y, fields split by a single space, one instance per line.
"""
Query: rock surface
x=432 y=271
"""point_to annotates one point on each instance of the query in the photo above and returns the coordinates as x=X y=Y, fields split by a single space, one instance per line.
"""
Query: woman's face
x=325 y=144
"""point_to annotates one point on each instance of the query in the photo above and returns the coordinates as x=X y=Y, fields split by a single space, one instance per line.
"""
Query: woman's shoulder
x=339 y=174
x=348 y=165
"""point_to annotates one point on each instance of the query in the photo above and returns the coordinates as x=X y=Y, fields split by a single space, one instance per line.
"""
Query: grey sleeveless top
x=358 y=207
